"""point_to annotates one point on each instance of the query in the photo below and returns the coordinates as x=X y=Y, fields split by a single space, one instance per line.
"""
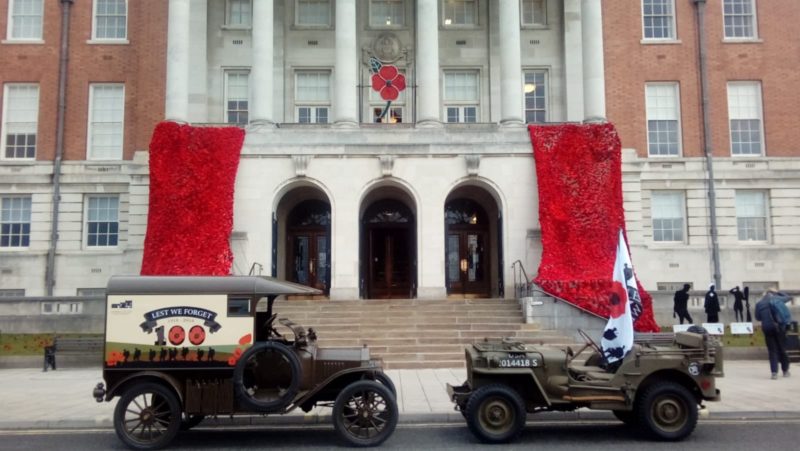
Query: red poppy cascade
x=388 y=82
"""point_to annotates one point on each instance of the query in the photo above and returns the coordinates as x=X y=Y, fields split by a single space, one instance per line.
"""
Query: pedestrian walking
x=738 y=305
x=711 y=304
x=680 y=304
x=775 y=318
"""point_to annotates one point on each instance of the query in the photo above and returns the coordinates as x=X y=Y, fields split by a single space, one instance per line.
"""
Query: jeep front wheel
x=667 y=411
x=365 y=413
x=147 y=416
x=495 y=414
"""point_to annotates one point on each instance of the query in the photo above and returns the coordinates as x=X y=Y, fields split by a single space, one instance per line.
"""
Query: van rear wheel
x=365 y=413
x=147 y=416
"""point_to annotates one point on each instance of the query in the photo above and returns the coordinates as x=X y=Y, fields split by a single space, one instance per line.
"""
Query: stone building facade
x=436 y=198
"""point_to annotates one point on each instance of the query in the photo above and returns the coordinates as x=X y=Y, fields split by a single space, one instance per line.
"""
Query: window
x=237 y=94
x=20 y=121
x=15 y=221
x=62 y=308
x=668 y=214
x=25 y=20
x=102 y=221
x=106 y=115
x=238 y=307
x=533 y=12
x=658 y=17
x=12 y=293
x=461 y=96
x=91 y=292
x=378 y=105
x=460 y=12
x=672 y=286
x=111 y=19
x=312 y=96
x=744 y=112
x=740 y=19
x=663 y=125
x=239 y=13
x=313 y=13
x=535 y=90
x=386 y=13
x=751 y=215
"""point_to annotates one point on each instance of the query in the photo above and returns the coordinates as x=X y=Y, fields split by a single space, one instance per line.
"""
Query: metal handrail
x=524 y=287
x=253 y=269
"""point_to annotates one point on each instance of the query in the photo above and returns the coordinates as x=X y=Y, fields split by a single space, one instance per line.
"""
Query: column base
x=261 y=125
x=512 y=123
x=343 y=294
x=345 y=124
x=595 y=120
x=177 y=121
x=429 y=123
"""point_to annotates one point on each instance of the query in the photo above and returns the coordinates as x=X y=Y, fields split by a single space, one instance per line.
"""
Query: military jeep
x=178 y=349
x=656 y=389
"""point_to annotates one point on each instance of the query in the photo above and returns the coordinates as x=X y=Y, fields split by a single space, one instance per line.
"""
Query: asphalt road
x=725 y=435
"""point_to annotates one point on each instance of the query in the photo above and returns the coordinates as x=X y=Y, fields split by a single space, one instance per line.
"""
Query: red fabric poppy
x=579 y=175
x=389 y=82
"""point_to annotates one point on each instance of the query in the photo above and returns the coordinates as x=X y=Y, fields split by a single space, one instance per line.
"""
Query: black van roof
x=246 y=285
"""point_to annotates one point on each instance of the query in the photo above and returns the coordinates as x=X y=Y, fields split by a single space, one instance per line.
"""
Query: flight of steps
x=410 y=333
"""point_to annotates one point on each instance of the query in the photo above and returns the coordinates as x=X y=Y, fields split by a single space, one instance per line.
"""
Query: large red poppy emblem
x=176 y=335
x=389 y=82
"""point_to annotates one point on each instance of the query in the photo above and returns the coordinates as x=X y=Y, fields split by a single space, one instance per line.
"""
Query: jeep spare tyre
x=266 y=377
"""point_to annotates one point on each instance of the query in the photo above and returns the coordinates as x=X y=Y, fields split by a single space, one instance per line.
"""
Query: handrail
x=253 y=269
x=558 y=298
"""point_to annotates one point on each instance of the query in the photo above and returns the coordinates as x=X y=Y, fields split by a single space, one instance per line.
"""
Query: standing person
x=711 y=304
x=747 y=303
x=738 y=306
x=771 y=310
x=681 y=300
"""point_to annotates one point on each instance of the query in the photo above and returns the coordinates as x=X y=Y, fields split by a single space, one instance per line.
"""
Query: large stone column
x=594 y=81
x=428 y=101
x=177 y=97
x=345 y=94
x=261 y=74
x=573 y=60
x=511 y=92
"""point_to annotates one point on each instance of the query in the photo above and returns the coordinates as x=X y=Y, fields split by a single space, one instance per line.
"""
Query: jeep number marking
x=518 y=361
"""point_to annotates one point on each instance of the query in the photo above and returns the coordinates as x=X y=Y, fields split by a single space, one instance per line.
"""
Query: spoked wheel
x=365 y=413
x=147 y=416
x=495 y=414
x=667 y=411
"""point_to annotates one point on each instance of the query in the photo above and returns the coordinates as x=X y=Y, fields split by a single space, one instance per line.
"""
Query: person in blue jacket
x=775 y=318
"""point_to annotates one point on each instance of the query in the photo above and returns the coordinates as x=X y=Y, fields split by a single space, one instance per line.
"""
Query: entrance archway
x=472 y=244
x=388 y=247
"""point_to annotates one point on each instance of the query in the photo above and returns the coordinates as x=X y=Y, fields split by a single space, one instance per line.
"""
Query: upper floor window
x=239 y=13
x=237 y=95
x=658 y=17
x=668 y=213
x=312 y=96
x=12 y=292
x=745 y=116
x=751 y=215
x=663 y=125
x=535 y=90
x=25 y=19
x=102 y=221
x=313 y=13
x=533 y=12
x=110 y=19
x=106 y=121
x=460 y=12
x=387 y=13
x=20 y=120
x=740 y=19
x=15 y=221
x=378 y=105
x=461 y=96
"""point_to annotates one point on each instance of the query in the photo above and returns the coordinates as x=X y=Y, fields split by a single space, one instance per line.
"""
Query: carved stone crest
x=387 y=48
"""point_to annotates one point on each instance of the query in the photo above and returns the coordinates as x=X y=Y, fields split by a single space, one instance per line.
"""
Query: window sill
x=236 y=27
x=108 y=42
x=15 y=249
x=746 y=155
x=110 y=250
x=387 y=27
x=312 y=27
x=534 y=27
x=660 y=41
x=23 y=41
x=742 y=40
x=18 y=161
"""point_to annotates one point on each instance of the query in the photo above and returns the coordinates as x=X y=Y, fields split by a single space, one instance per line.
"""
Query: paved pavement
x=32 y=399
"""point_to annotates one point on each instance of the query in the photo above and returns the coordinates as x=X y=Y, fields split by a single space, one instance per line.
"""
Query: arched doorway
x=467 y=248
x=388 y=250
x=308 y=244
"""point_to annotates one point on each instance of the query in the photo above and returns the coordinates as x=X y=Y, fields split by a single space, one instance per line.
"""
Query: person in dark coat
x=771 y=311
x=738 y=305
x=680 y=306
x=711 y=304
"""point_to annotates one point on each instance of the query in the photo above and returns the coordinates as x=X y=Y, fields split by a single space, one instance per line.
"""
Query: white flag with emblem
x=624 y=305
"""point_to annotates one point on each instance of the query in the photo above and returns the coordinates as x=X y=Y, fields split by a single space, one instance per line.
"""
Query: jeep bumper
x=459 y=395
